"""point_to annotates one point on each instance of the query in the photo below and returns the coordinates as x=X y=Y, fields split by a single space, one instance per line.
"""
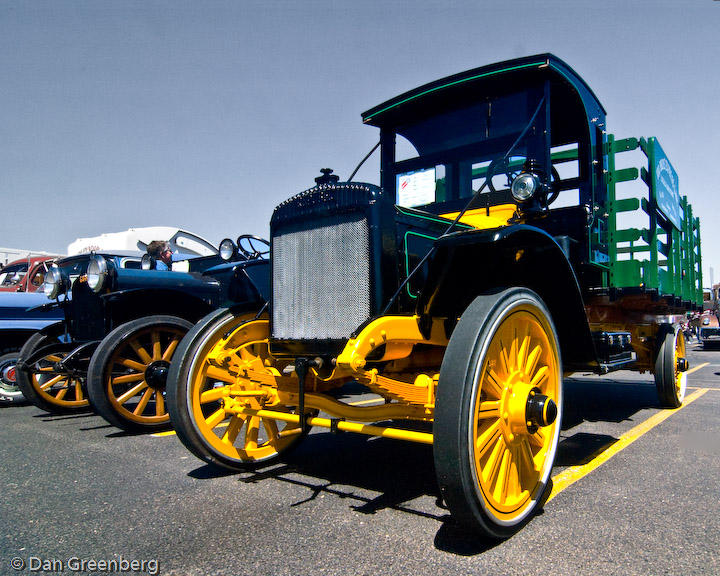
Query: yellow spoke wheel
x=128 y=372
x=671 y=366
x=498 y=412
x=224 y=365
x=44 y=382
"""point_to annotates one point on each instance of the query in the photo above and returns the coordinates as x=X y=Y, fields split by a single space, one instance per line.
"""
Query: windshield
x=444 y=159
x=12 y=275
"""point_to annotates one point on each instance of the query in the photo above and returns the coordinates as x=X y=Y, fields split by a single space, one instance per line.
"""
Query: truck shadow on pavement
x=376 y=474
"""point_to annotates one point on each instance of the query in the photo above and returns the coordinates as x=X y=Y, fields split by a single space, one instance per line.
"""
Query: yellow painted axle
x=369 y=430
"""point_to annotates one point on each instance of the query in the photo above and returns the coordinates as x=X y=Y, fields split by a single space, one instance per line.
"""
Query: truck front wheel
x=498 y=412
x=670 y=366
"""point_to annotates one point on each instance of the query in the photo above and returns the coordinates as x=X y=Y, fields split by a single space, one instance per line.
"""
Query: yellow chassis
x=409 y=393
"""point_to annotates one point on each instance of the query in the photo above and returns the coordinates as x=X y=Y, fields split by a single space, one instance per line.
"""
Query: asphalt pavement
x=80 y=497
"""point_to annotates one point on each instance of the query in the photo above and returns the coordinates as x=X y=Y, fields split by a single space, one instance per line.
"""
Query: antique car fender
x=469 y=263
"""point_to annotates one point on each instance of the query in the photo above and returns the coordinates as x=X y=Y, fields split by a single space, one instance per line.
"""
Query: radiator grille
x=321 y=278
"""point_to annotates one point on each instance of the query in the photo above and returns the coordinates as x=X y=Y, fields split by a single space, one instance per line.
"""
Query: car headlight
x=227 y=249
x=54 y=284
x=96 y=272
x=524 y=186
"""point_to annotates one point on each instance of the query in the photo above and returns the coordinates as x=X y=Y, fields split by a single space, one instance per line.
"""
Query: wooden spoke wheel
x=128 y=372
x=671 y=366
x=224 y=362
x=498 y=412
x=46 y=383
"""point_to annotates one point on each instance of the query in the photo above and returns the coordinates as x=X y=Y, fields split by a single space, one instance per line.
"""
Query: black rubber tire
x=666 y=367
x=99 y=364
x=454 y=414
x=9 y=388
x=25 y=376
x=178 y=394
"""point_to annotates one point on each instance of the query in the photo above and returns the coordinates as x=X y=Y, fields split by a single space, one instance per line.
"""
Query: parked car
x=25 y=275
x=709 y=330
x=20 y=318
x=489 y=262
x=121 y=327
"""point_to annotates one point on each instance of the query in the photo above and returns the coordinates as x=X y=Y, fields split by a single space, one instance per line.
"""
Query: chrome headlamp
x=54 y=283
x=228 y=249
x=97 y=272
x=525 y=185
x=147 y=262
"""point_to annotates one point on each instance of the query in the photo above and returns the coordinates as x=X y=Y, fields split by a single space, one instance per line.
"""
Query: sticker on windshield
x=416 y=188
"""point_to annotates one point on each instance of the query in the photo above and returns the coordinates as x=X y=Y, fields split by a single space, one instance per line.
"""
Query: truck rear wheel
x=128 y=372
x=226 y=357
x=498 y=412
x=670 y=376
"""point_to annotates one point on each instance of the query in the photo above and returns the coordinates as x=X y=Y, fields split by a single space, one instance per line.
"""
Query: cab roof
x=569 y=91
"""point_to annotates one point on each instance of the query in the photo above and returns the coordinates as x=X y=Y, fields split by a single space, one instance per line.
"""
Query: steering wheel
x=502 y=166
x=254 y=246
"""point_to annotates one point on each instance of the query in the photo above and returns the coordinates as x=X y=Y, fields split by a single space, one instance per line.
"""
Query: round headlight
x=524 y=186
x=147 y=262
x=96 y=272
x=53 y=283
x=227 y=249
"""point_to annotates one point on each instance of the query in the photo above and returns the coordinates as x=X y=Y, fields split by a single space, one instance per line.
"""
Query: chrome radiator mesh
x=321 y=278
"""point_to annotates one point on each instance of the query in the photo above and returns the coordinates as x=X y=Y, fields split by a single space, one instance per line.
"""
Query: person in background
x=161 y=251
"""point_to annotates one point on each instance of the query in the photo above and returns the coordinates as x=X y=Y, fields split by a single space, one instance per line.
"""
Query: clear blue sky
x=205 y=115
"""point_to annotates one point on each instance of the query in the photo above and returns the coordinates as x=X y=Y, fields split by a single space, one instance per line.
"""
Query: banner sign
x=665 y=185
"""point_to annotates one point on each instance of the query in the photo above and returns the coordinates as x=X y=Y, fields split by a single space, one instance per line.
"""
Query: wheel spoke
x=486 y=439
x=524 y=349
x=540 y=377
x=233 y=429
x=170 y=350
x=215 y=418
x=140 y=408
x=532 y=360
x=492 y=467
x=78 y=390
x=271 y=429
x=503 y=477
x=127 y=378
x=53 y=358
x=51 y=382
x=493 y=383
x=156 y=345
x=526 y=466
x=537 y=439
x=159 y=404
x=489 y=409
x=251 y=434
x=61 y=394
x=134 y=391
x=140 y=351
x=132 y=364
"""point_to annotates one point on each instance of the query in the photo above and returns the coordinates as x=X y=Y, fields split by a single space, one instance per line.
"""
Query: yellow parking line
x=172 y=432
x=571 y=475
x=698 y=367
x=704 y=388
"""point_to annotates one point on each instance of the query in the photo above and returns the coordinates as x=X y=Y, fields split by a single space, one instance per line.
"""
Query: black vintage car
x=123 y=323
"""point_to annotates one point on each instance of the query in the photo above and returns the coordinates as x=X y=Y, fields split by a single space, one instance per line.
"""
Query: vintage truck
x=492 y=259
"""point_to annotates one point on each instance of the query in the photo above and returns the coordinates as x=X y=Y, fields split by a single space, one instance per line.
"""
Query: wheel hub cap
x=156 y=374
x=524 y=408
